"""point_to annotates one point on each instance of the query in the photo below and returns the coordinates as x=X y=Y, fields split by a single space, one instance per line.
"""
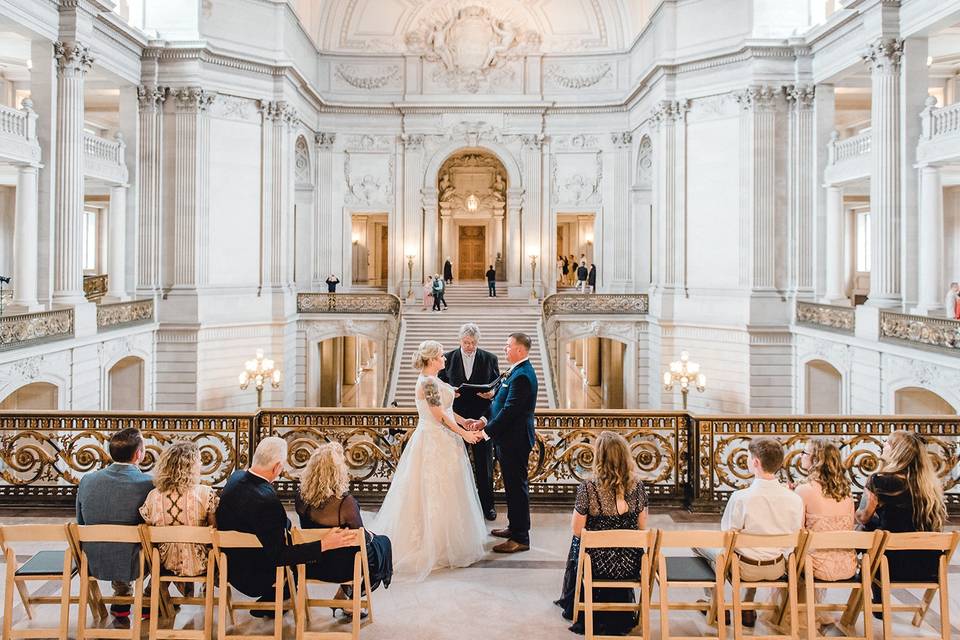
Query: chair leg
x=97 y=607
x=300 y=611
x=792 y=598
x=278 y=605
x=84 y=595
x=944 y=601
x=8 y=596
x=24 y=597
x=852 y=609
x=223 y=602
x=664 y=595
x=885 y=598
x=736 y=611
x=719 y=608
x=65 y=594
x=136 y=616
x=645 y=597
x=366 y=581
x=208 y=602
x=355 y=630
x=588 y=598
x=865 y=597
x=811 y=603
x=924 y=607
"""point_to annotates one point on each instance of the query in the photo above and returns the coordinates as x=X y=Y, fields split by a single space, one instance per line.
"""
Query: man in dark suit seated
x=249 y=504
x=472 y=365
x=113 y=496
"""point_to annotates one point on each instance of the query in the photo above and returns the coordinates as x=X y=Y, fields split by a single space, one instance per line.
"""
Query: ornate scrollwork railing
x=124 y=314
x=826 y=316
x=385 y=303
x=603 y=303
x=923 y=331
x=43 y=456
x=32 y=328
x=95 y=287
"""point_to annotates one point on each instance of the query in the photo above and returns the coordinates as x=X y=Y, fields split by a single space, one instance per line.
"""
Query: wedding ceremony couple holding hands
x=435 y=508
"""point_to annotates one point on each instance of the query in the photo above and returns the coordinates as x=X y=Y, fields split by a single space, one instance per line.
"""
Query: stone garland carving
x=669 y=110
x=356 y=78
x=471 y=46
x=112 y=316
x=385 y=303
x=233 y=108
x=279 y=111
x=578 y=188
x=412 y=142
x=920 y=330
x=621 y=138
x=828 y=316
x=301 y=160
x=21 y=330
x=607 y=303
x=72 y=58
x=591 y=76
x=575 y=142
x=645 y=164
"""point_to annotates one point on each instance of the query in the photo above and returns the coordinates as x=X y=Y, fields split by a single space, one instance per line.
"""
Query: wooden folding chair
x=869 y=545
x=114 y=533
x=223 y=540
x=643 y=540
x=946 y=544
x=692 y=572
x=48 y=565
x=361 y=576
x=792 y=541
x=153 y=537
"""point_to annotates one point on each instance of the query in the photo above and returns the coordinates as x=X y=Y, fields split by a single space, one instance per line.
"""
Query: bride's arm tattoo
x=431 y=393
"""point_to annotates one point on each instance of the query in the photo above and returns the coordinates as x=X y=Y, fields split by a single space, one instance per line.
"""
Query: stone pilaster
x=279 y=119
x=532 y=213
x=149 y=274
x=323 y=215
x=930 y=285
x=191 y=202
x=431 y=214
x=116 y=244
x=802 y=187
x=613 y=267
x=834 y=240
x=412 y=213
x=883 y=58
x=73 y=62
x=669 y=128
x=514 y=257
x=25 y=240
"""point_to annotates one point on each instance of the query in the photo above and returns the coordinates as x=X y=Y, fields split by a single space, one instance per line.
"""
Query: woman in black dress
x=323 y=501
x=905 y=495
x=613 y=499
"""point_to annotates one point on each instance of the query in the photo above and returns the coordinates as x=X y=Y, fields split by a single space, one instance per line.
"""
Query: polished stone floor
x=500 y=597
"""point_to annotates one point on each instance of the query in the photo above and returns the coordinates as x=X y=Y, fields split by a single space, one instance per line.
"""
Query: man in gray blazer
x=113 y=496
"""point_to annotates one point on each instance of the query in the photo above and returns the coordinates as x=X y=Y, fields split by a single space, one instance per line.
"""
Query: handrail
x=940 y=122
x=112 y=151
x=27 y=329
x=598 y=303
x=942 y=334
x=549 y=379
x=386 y=303
x=122 y=314
x=827 y=316
x=852 y=147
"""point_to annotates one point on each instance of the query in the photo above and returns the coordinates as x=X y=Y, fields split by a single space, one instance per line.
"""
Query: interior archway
x=915 y=401
x=126 y=382
x=33 y=396
x=824 y=385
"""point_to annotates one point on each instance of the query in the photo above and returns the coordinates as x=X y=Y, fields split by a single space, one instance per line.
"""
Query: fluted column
x=514 y=255
x=613 y=271
x=446 y=238
x=802 y=189
x=412 y=214
x=835 y=226
x=73 y=62
x=279 y=119
x=323 y=262
x=669 y=128
x=191 y=188
x=116 y=244
x=532 y=212
x=431 y=239
x=930 y=285
x=883 y=58
x=150 y=159
x=25 y=239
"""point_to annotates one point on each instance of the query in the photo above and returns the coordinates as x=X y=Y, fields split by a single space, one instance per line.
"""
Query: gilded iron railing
x=124 y=314
x=923 y=331
x=602 y=303
x=43 y=456
x=27 y=329
x=826 y=316
x=95 y=287
x=386 y=303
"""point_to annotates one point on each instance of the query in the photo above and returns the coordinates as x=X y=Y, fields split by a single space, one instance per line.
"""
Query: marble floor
x=500 y=597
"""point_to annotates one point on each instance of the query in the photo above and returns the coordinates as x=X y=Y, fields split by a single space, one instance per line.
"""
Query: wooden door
x=384 y=245
x=473 y=245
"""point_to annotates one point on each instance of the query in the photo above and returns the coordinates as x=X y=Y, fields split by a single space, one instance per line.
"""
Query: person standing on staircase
x=491 y=282
x=470 y=364
x=448 y=271
x=438 y=289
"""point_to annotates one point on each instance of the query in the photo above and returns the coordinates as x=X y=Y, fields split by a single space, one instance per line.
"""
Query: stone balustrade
x=384 y=303
x=853 y=147
x=117 y=315
x=602 y=303
x=826 y=316
x=940 y=122
x=27 y=329
x=18 y=134
x=941 y=334
x=105 y=159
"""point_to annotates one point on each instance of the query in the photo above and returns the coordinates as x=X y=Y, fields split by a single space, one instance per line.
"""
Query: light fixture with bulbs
x=685 y=373
x=260 y=371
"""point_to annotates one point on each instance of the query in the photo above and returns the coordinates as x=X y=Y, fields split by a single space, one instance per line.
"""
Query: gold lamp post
x=410 y=257
x=533 y=275
x=685 y=373
x=260 y=371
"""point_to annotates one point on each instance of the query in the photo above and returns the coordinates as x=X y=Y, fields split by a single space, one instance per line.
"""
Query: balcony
x=18 y=134
x=380 y=303
x=28 y=329
x=119 y=315
x=936 y=334
x=848 y=159
x=826 y=316
x=105 y=159
x=940 y=133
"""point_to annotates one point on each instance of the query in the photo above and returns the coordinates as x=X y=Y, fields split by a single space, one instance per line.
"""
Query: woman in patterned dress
x=613 y=499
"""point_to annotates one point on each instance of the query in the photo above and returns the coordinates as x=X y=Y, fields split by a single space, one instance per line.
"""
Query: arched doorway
x=125 y=380
x=824 y=386
x=915 y=401
x=592 y=373
x=33 y=396
x=472 y=200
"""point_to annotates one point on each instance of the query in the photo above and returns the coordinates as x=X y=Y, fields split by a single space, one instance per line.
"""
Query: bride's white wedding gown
x=432 y=514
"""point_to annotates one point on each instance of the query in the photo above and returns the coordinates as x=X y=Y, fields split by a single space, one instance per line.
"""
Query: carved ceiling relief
x=472 y=184
x=580 y=76
x=369 y=178
x=368 y=77
x=576 y=178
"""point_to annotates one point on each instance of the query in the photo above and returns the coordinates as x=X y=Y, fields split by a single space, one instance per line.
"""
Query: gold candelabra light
x=685 y=373
x=259 y=371
x=410 y=257
x=533 y=276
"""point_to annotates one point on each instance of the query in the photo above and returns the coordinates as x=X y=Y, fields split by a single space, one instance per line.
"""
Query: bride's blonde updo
x=427 y=351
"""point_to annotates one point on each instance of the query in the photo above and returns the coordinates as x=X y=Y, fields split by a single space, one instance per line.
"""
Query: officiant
x=472 y=365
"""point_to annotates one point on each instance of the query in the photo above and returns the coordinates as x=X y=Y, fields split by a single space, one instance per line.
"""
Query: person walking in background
x=565 y=271
x=950 y=302
x=448 y=271
x=427 y=292
x=438 y=289
x=582 y=274
x=572 y=267
x=491 y=282
x=592 y=278
x=332 y=283
x=560 y=269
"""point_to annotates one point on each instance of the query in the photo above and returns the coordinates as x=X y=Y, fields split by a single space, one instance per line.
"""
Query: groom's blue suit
x=510 y=426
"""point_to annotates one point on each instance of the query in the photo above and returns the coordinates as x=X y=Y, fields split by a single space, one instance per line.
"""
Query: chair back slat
x=759 y=541
x=236 y=540
x=108 y=533
x=616 y=538
x=33 y=533
x=305 y=536
x=848 y=540
x=920 y=541
x=180 y=534
x=709 y=539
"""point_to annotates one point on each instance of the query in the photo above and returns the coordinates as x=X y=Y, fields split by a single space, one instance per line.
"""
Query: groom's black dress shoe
x=491 y=514
x=501 y=533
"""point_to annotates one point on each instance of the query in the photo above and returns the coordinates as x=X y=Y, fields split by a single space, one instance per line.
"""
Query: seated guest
x=613 y=499
x=905 y=495
x=113 y=496
x=180 y=499
x=323 y=501
x=766 y=507
x=248 y=503
x=829 y=507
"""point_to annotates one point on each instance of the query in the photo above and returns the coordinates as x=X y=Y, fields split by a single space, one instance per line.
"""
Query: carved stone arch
x=502 y=153
x=946 y=395
x=645 y=163
x=16 y=385
x=302 y=165
x=378 y=331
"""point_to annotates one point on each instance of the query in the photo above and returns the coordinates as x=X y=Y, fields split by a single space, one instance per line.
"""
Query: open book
x=480 y=388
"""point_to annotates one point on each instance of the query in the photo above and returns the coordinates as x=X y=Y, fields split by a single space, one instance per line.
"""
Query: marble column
x=116 y=244
x=667 y=118
x=279 y=119
x=613 y=267
x=431 y=238
x=802 y=189
x=412 y=214
x=930 y=285
x=496 y=236
x=883 y=59
x=73 y=62
x=323 y=215
x=447 y=243
x=515 y=250
x=25 y=239
x=191 y=188
x=835 y=226
x=151 y=189
x=532 y=212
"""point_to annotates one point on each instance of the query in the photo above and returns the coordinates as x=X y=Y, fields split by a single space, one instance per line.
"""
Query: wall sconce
x=589 y=238
x=410 y=257
x=533 y=273
x=356 y=238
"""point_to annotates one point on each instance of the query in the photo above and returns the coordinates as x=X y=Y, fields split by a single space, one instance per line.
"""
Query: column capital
x=325 y=139
x=800 y=96
x=883 y=55
x=534 y=141
x=621 y=139
x=669 y=110
x=757 y=98
x=412 y=142
x=192 y=99
x=151 y=97
x=72 y=58
x=279 y=112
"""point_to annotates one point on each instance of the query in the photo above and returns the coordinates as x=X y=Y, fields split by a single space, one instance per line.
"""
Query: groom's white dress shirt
x=467 y=363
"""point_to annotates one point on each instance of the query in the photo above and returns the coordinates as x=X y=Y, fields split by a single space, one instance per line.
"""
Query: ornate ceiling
x=425 y=26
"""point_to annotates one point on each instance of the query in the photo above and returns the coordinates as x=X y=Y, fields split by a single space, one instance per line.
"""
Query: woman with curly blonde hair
x=324 y=501
x=180 y=499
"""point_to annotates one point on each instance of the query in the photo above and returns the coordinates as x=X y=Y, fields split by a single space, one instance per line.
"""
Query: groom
x=510 y=426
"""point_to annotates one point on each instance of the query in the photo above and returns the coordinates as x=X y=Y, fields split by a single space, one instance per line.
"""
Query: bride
x=432 y=514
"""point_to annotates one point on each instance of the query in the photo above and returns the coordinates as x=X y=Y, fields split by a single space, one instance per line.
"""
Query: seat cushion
x=43 y=563
x=689 y=569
